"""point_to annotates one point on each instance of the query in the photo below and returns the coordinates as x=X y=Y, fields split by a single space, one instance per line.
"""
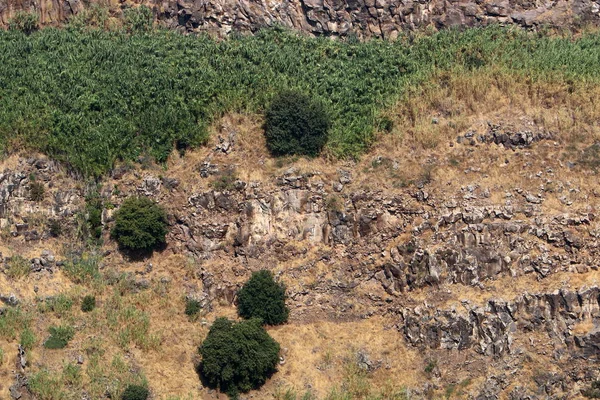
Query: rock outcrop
x=363 y=18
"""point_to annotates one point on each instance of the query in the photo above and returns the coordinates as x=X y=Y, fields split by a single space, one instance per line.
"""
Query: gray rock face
x=364 y=18
x=489 y=330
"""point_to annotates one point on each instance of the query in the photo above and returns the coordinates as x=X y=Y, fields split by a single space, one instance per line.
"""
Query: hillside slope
x=458 y=258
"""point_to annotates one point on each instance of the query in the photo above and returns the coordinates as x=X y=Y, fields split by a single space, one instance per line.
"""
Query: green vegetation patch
x=91 y=97
x=59 y=337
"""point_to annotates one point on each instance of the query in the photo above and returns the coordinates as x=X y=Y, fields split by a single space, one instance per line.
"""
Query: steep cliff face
x=364 y=18
x=484 y=276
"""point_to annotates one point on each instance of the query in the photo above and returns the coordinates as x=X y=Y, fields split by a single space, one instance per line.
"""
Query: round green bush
x=263 y=298
x=88 y=303
x=135 y=392
x=238 y=357
x=140 y=224
x=295 y=124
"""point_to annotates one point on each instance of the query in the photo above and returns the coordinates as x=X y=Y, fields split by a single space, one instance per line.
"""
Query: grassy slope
x=92 y=97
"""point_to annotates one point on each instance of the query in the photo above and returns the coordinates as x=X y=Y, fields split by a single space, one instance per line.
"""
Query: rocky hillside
x=364 y=18
x=455 y=262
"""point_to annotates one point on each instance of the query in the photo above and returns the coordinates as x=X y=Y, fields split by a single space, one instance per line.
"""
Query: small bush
x=263 y=298
x=59 y=337
x=88 y=303
x=135 y=392
x=140 y=224
x=36 y=191
x=225 y=180
x=93 y=208
x=25 y=22
x=295 y=124
x=237 y=357
x=55 y=228
x=139 y=19
x=192 y=307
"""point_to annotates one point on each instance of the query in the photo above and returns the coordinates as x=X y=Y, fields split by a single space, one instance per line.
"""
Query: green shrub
x=25 y=22
x=263 y=298
x=55 y=228
x=139 y=19
x=237 y=357
x=88 y=303
x=140 y=224
x=192 y=307
x=296 y=124
x=83 y=269
x=59 y=337
x=93 y=208
x=135 y=392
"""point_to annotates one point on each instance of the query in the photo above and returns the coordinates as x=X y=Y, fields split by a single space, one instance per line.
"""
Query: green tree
x=140 y=224
x=263 y=298
x=237 y=357
x=296 y=124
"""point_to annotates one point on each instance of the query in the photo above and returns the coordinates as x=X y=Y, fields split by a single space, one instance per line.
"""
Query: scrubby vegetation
x=192 y=307
x=17 y=267
x=91 y=97
x=140 y=224
x=59 y=337
x=135 y=392
x=263 y=298
x=237 y=357
x=295 y=125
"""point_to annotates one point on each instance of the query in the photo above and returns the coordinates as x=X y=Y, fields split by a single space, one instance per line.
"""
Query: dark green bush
x=140 y=224
x=25 y=22
x=192 y=307
x=296 y=124
x=88 y=303
x=59 y=337
x=135 y=392
x=237 y=357
x=263 y=298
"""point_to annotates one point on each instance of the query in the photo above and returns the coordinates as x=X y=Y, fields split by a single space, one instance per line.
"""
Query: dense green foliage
x=59 y=337
x=92 y=97
x=140 y=224
x=135 y=392
x=88 y=303
x=237 y=357
x=263 y=298
x=294 y=124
